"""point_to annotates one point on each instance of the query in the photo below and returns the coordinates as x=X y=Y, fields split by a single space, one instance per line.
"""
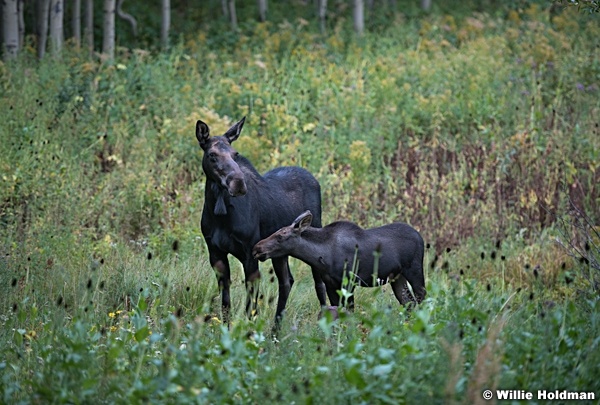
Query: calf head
x=219 y=161
x=283 y=241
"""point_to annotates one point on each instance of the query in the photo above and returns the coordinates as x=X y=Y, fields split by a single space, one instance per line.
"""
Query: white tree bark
x=127 y=17
x=76 y=22
x=10 y=29
x=224 y=8
x=233 y=15
x=165 y=23
x=43 y=12
x=56 y=26
x=88 y=24
x=359 y=16
x=262 y=10
x=426 y=5
x=322 y=15
x=108 y=31
x=21 y=11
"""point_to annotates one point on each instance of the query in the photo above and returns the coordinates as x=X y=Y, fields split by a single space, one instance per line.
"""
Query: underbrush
x=165 y=342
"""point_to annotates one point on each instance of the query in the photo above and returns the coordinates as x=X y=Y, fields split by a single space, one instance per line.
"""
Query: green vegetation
x=479 y=129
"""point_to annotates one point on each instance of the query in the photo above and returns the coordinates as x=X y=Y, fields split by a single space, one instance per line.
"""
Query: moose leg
x=319 y=287
x=332 y=293
x=285 y=279
x=220 y=264
x=252 y=281
x=415 y=277
x=401 y=291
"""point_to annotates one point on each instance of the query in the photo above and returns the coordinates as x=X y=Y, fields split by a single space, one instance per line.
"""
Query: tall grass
x=478 y=130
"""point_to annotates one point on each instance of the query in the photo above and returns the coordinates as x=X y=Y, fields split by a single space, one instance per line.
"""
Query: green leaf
x=18 y=337
x=382 y=370
x=141 y=334
x=142 y=304
x=354 y=377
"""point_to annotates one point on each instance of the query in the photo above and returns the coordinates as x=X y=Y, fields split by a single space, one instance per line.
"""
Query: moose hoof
x=333 y=310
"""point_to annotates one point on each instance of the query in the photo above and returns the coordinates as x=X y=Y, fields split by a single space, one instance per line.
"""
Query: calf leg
x=332 y=293
x=415 y=277
x=319 y=287
x=401 y=291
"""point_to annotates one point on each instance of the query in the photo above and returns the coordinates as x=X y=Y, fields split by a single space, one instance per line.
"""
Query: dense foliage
x=479 y=129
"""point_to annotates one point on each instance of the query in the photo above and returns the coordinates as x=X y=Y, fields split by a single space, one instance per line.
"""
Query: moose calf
x=391 y=253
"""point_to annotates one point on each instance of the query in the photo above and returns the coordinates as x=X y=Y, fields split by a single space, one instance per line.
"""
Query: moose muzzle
x=235 y=184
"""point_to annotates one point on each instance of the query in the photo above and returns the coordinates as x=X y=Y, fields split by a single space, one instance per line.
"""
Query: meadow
x=479 y=129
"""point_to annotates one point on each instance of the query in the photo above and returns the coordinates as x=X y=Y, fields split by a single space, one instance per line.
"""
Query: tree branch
x=127 y=17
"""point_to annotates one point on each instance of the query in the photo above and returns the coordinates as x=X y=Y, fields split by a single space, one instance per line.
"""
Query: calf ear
x=234 y=132
x=303 y=221
x=202 y=133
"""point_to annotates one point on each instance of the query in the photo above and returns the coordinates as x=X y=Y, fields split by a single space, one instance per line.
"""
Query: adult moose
x=391 y=253
x=242 y=207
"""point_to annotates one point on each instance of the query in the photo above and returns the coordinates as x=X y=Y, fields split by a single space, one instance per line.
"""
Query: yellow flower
x=309 y=127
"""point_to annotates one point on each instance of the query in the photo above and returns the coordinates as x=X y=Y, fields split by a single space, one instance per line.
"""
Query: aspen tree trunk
x=21 y=11
x=224 y=8
x=56 y=26
x=10 y=29
x=322 y=15
x=426 y=5
x=262 y=10
x=108 y=31
x=165 y=23
x=43 y=12
x=232 y=15
x=76 y=22
x=359 y=16
x=88 y=25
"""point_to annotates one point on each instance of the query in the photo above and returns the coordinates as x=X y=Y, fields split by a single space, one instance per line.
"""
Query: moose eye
x=212 y=155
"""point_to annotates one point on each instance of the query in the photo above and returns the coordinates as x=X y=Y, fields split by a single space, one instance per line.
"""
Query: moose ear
x=303 y=221
x=234 y=132
x=202 y=133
